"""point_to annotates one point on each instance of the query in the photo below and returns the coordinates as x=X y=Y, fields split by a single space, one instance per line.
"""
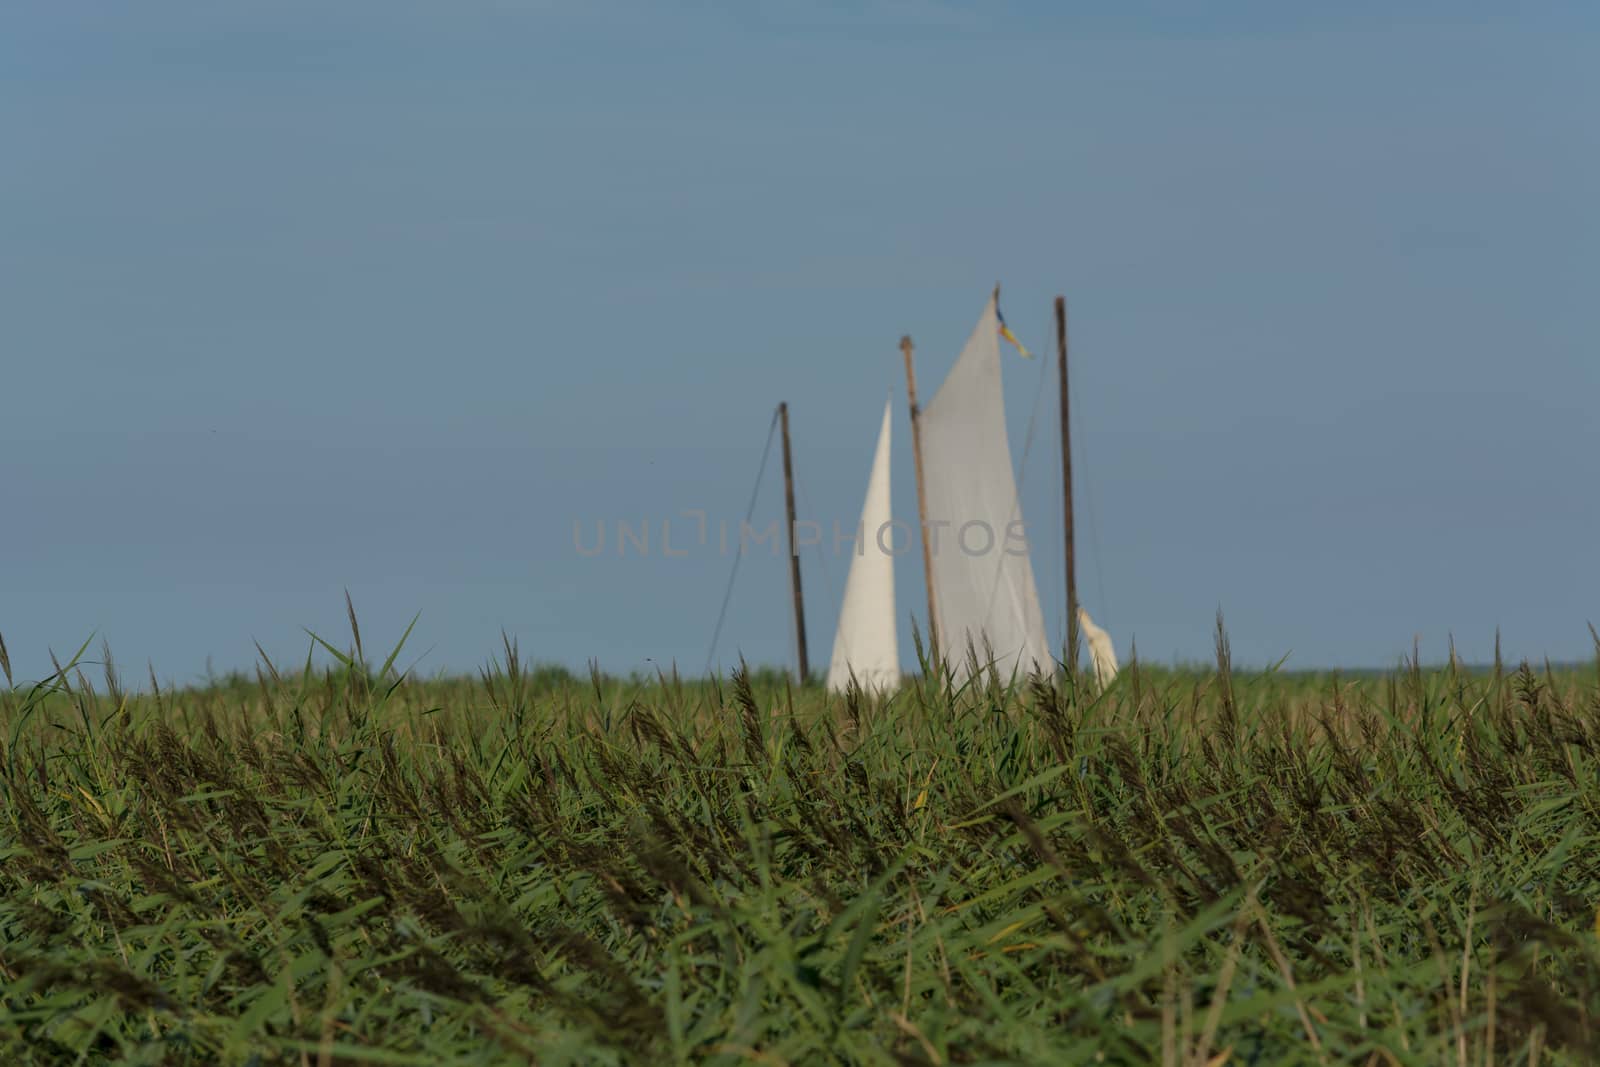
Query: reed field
x=350 y=865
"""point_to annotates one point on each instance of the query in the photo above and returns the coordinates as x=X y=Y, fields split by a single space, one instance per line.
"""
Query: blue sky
x=299 y=297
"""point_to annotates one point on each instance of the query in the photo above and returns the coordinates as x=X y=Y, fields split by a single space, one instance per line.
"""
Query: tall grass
x=352 y=866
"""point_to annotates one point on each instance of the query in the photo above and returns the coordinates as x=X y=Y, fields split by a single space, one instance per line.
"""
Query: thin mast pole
x=794 y=555
x=922 y=496
x=1066 y=486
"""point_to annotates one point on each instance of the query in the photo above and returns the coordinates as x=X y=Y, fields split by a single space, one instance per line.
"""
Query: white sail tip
x=1102 y=653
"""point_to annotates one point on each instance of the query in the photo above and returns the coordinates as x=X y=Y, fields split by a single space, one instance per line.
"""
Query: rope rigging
x=749 y=513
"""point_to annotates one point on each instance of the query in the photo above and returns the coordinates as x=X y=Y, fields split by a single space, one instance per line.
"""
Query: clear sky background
x=304 y=296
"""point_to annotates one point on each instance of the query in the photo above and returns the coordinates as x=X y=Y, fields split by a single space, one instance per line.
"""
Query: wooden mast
x=1066 y=487
x=804 y=667
x=922 y=497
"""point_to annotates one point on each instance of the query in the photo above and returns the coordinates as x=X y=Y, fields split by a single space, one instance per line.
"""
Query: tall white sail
x=865 y=643
x=983 y=582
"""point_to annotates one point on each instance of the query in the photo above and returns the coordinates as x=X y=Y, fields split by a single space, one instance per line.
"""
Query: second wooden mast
x=802 y=665
x=922 y=498
x=1066 y=487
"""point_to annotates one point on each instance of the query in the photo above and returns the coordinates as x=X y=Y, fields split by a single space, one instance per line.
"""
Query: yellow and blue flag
x=1005 y=331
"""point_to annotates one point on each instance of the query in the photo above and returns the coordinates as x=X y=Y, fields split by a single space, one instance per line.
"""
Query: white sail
x=865 y=643
x=1102 y=653
x=983 y=582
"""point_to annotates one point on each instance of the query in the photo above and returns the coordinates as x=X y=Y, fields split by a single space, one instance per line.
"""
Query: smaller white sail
x=865 y=645
x=1102 y=653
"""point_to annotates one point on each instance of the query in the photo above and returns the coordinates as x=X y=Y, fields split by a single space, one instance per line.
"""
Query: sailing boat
x=983 y=605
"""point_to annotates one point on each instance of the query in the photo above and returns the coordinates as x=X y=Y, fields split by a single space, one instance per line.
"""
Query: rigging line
x=1088 y=500
x=733 y=572
x=822 y=557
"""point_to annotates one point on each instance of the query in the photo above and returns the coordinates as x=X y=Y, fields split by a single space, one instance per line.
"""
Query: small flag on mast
x=1005 y=331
